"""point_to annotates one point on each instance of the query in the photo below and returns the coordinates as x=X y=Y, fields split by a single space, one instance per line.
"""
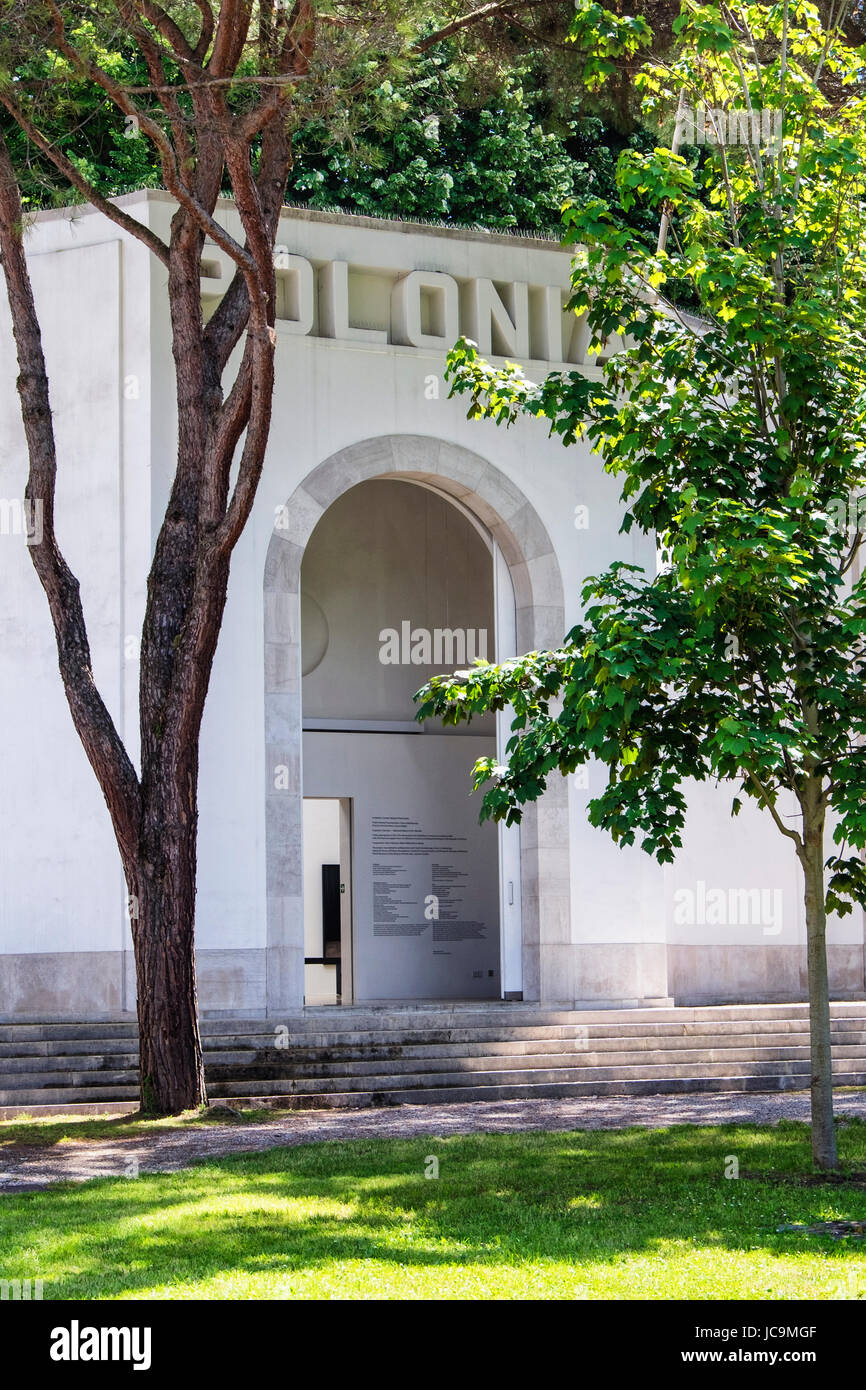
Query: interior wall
x=390 y=566
x=415 y=836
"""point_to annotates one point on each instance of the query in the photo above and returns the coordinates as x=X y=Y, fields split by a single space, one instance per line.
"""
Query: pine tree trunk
x=222 y=437
x=824 y=1151
x=163 y=929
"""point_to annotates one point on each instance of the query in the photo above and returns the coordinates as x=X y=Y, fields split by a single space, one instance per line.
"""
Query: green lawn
x=622 y=1214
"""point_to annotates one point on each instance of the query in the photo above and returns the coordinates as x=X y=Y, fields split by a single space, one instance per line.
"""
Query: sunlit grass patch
x=62 y=1129
x=583 y=1215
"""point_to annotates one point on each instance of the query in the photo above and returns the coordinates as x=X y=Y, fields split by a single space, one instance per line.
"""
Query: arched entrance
x=481 y=492
x=397 y=582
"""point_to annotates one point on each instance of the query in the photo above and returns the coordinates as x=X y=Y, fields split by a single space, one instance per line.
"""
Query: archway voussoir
x=540 y=629
x=508 y=544
x=283 y=764
x=442 y=483
x=284 y=854
x=416 y=453
x=349 y=467
x=549 y=626
x=283 y=720
x=282 y=618
x=298 y=519
x=525 y=630
x=521 y=583
x=283 y=564
x=282 y=668
x=531 y=537
x=502 y=499
x=461 y=465
x=545 y=583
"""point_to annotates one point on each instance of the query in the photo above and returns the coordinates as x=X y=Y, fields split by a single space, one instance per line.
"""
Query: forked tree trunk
x=186 y=600
x=222 y=437
x=824 y=1150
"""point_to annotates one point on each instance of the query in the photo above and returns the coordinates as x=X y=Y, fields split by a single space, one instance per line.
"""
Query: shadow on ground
x=587 y=1201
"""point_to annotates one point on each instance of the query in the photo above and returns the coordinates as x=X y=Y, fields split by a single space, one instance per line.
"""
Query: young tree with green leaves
x=736 y=417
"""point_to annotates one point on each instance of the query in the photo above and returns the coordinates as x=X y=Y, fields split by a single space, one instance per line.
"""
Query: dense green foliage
x=741 y=442
x=426 y=153
x=84 y=123
x=425 y=144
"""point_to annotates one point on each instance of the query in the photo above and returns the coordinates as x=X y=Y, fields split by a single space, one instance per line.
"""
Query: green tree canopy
x=498 y=138
x=740 y=438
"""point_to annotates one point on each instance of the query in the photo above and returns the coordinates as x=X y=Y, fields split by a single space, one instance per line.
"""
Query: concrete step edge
x=565 y=1089
x=445 y=1081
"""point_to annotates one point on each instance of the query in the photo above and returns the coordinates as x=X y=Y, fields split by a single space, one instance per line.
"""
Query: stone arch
x=526 y=546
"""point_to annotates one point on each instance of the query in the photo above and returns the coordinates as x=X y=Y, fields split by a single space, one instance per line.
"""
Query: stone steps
x=40 y=1032
x=386 y=1055
x=238 y=1066
x=235 y=1066
x=47 y=1056
x=11 y=1066
x=557 y=1091
x=591 y=1066
x=66 y=1101
x=492 y=1037
x=543 y=1073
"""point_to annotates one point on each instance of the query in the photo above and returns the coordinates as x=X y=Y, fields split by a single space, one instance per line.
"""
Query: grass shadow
x=509 y=1210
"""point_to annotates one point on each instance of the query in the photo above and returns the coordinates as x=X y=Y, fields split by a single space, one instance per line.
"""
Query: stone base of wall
x=759 y=974
x=60 y=985
x=613 y=974
x=100 y=985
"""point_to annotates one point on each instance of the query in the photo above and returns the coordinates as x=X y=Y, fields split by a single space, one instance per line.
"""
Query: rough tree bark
x=154 y=813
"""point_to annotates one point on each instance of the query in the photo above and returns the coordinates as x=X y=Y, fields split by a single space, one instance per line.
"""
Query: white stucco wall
x=103 y=303
x=61 y=888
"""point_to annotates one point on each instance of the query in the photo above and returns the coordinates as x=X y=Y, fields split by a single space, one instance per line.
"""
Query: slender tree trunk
x=824 y=1150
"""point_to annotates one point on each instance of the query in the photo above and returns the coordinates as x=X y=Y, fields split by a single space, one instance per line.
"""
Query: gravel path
x=25 y=1168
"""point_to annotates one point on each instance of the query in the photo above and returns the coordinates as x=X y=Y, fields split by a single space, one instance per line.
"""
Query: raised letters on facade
x=424 y=309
